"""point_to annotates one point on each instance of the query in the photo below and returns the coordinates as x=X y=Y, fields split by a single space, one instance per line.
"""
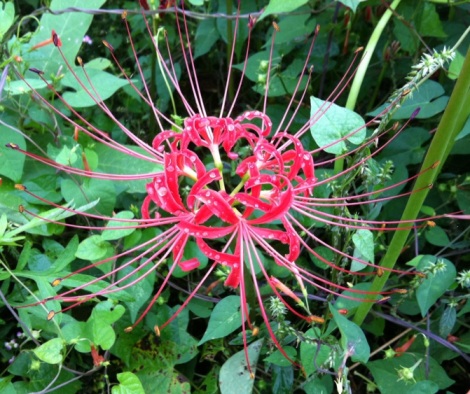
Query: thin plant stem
x=458 y=109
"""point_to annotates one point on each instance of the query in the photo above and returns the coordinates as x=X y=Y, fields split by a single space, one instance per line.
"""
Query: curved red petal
x=189 y=265
x=218 y=205
x=208 y=177
x=285 y=203
x=199 y=231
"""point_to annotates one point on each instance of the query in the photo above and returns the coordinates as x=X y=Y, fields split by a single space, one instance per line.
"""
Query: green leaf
x=437 y=236
x=386 y=376
x=407 y=148
x=429 y=22
x=456 y=66
x=353 y=339
x=277 y=358
x=435 y=284
x=312 y=351
x=11 y=161
x=91 y=189
x=463 y=199
x=278 y=6
x=67 y=256
x=206 y=36
x=6 y=386
x=52 y=214
x=129 y=384
x=234 y=375
x=109 y=234
x=351 y=3
x=99 y=329
x=333 y=123
x=447 y=321
x=283 y=378
x=24 y=86
x=465 y=130
x=73 y=332
x=104 y=86
x=99 y=63
x=143 y=286
x=319 y=385
x=51 y=352
x=65 y=155
x=92 y=248
x=7 y=17
x=428 y=98
x=364 y=249
x=113 y=162
x=71 y=27
x=200 y=307
x=321 y=254
x=3 y=224
x=294 y=28
x=225 y=319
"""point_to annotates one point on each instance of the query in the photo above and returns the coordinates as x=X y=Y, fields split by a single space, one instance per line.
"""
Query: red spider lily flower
x=237 y=186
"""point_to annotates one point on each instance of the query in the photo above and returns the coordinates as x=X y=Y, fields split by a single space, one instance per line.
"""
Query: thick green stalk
x=451 y=124
x=365 y=61
x=368 y=52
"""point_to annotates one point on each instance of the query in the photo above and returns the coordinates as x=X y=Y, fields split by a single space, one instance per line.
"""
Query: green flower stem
x=365 y=61
x=457 y=111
